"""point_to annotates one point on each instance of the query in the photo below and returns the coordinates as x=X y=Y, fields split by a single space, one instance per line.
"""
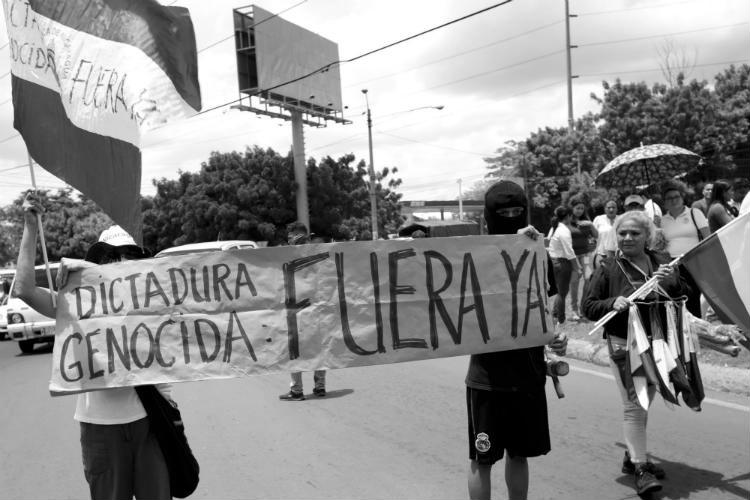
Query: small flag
x=720 y=265
x=88 y=76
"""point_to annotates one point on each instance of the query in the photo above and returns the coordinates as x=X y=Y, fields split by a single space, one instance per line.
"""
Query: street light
x=371 y=170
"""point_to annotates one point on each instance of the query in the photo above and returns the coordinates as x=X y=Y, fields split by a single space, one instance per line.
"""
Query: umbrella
x=646 y=165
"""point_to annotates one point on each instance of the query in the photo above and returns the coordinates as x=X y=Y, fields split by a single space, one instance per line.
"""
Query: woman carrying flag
x=633 y=265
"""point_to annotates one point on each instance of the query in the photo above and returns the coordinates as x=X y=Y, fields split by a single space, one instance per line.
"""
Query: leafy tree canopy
x=251 y=195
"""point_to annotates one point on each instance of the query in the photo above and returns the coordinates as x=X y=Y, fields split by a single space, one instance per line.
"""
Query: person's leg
x=296 y=385
x=479 y=480
x=575 y=281
x=562 y=269
x=634 y=417
x=107 y=461
x=517 y=477
x=484 y=447
x=319 y=378
x=151 y=474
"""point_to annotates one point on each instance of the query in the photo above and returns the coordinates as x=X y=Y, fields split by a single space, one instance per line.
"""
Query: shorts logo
x=482 y=443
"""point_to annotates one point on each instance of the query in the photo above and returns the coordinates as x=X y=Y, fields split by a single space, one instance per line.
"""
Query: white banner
x=297 y=308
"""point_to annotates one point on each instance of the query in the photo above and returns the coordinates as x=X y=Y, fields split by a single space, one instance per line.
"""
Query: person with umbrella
x=633 y=265
x=683 y=228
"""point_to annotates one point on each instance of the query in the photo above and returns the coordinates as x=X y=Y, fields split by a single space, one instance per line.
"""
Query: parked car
x=25 y=325
x=208 y=246
x=6 y=279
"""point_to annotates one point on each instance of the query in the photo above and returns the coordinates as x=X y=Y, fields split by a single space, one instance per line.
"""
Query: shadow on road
x=684 y=480
x=38 y=349
x=330 y=395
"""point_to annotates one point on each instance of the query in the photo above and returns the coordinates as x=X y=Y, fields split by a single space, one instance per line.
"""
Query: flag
x=720 y=265
x=640 y=362
x=88 y=76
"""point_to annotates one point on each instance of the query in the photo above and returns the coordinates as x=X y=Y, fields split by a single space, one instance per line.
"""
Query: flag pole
x=41 y=237
x=644 y=290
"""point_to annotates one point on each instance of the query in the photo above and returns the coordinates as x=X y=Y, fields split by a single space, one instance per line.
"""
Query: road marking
x=710 y=401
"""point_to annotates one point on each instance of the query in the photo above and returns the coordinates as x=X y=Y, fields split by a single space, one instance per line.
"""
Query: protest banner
x=297 y=308
x=88 y=76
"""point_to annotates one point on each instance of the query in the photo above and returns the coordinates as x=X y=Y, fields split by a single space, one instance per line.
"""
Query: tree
x=252 y=196
x=70 y=225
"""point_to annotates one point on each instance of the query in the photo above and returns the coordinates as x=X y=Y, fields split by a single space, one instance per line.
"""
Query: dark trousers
x=563 y=269
x=123 y=460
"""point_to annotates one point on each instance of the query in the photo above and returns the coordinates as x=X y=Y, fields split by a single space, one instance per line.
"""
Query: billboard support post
x=300 y=172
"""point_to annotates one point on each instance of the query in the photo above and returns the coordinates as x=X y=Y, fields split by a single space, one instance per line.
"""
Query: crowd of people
x=598 y=263
x=578 y=246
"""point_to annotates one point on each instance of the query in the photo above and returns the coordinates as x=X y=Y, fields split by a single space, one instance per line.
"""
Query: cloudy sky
x=499 y=75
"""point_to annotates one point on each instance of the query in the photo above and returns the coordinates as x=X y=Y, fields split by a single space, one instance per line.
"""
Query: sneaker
x=574 y=316
x=320 y=392
x=628 y=467
x=645 y=482
x=292 y=396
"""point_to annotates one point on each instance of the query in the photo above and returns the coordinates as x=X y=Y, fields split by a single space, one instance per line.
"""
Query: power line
x=9 y=138
x=432 y=145
x=652 y=70
x=328 y=66
x=256 y=24
x=662 y=35
x=497 y=42
x=657 y=6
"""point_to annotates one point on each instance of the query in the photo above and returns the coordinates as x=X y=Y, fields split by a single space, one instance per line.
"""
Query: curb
x=715 y=378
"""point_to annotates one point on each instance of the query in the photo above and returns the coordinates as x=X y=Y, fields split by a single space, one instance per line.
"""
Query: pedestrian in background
x=583 y=234
x=505 y=397
x=604 y=224
x=683 y=228
x=297 y=234
x=121 y=456
x=564 y=259
x=719 y=213
x=704 y=202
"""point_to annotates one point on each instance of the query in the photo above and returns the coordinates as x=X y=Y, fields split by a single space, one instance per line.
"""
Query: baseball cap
x=111 y=238
x=635 y=198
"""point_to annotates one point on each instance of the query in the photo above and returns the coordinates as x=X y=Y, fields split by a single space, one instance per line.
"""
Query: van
x=25 y=325
x=208 y=246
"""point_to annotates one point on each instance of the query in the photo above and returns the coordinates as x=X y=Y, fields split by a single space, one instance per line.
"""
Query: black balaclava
x=504 y=194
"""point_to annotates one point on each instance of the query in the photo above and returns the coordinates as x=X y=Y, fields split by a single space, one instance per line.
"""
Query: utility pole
x=460 y=202
x=373 y=195
x=570 y=73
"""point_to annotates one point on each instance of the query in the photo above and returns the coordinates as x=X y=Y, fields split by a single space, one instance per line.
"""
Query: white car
x=208 y=246
x=6 y=279
x=25 y=325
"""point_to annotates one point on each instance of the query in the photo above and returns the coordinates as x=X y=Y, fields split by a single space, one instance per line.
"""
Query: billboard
x=272 y=51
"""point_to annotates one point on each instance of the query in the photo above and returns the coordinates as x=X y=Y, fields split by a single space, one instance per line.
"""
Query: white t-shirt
x=680 y=232
x=561 y=243
x=603 y=225
x=109 y=406
x=120 y=405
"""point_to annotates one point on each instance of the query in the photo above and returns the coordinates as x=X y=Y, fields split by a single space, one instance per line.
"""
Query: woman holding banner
x=632 y=266
x=121 y=456
x=505 y=397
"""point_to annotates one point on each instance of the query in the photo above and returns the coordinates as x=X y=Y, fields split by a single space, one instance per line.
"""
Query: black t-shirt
x=580 y=236
x=515 y=370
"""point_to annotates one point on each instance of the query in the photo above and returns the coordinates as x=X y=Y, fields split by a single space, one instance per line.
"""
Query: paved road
x=395 y=431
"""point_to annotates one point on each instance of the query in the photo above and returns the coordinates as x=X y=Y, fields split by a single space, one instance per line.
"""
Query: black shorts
x=513 y=421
